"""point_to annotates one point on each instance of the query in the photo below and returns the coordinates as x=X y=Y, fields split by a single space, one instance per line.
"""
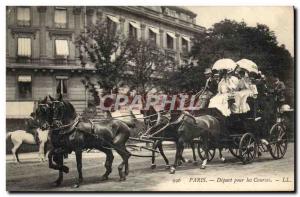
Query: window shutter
x=113 y=19
x=24 y=78
x=24 y=47
x=62 y=47
x=60 y=16
x=154 y=30
x=23 y=14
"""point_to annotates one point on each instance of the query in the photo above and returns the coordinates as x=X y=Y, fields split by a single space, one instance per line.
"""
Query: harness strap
x=70 y=126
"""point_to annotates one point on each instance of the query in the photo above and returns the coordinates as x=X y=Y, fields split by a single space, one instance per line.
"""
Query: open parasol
x=248 y=65
x=227 y=64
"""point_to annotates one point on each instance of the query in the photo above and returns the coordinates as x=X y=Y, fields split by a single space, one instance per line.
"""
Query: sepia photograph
x=150 y=98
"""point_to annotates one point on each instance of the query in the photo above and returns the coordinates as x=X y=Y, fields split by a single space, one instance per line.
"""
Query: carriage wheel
x=278 y=141
x=247 y=148
x=201 y=152
x=234 y=152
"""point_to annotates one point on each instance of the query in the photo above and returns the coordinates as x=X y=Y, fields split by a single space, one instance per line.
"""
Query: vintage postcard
x=150 y=98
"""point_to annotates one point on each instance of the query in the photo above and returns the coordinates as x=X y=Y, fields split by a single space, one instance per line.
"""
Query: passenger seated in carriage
x=210 y=89
x=245 y=88
x=226 y=86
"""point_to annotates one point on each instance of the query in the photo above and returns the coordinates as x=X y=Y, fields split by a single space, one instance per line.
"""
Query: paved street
x=264 y=174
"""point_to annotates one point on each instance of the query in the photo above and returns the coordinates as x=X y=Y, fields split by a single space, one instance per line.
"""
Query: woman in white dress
x=225 y=87
x=245 y=88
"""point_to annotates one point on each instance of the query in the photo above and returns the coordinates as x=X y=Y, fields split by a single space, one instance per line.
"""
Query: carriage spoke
x=274 y=148
x=283 y=146
x=279 y=147
x=277 y=150
x=250 y=154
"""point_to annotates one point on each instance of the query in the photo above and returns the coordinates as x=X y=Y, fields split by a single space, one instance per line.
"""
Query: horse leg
x=45 y=151
x=160 y=148
x=15 y=149
x=205 y=148
x=126 y=161
x=121 y=150
x=78 y=154
x=59 y=160
x=179 y=147
x=221 y=155
x=184 y=159
x=41 y=151
x=108 y=163
x=17 y=155
x=194 y=155
x=154 y=146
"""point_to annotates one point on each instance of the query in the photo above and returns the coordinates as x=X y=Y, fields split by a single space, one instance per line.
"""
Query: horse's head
x=44 y=113
x=63 y=112
x=58 y=108
x=186 y=121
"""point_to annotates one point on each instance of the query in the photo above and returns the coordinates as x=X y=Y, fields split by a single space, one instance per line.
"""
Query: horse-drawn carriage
x=245 y=139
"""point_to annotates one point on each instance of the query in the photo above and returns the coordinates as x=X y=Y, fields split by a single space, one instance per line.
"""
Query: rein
x=71 y=125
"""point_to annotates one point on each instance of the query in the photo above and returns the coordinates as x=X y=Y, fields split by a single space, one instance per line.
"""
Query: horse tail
x=8 y=135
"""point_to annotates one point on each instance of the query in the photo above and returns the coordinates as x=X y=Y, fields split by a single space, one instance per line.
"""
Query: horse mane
x=70 y=112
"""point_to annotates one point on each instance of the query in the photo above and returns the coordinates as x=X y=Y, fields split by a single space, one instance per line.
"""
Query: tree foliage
x=105 y=48
x=230 y=39
x=147 y=66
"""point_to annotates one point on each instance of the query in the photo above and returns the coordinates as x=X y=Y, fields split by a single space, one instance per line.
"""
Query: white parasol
x=248 y=65
x=227 y=64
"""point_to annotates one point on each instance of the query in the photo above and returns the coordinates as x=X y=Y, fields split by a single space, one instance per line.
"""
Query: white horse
x=19 y=137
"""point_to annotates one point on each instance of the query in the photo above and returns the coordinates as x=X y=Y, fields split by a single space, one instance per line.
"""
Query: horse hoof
x=122 y=178
x=65 y=169
x=202 y=167
x=56 y=183
x=172 y=170
x=188 y=161
x=259 y=154
x=76 y=185
x=195 y=163
x=103 y=178
x=223 y=159
x=167 y=167
x=153 y=166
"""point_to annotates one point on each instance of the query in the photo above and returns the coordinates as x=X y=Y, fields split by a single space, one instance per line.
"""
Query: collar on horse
x=65 y=129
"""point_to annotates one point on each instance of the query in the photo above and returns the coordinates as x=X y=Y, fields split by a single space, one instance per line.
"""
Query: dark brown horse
x=163 y=128
x=68 y=133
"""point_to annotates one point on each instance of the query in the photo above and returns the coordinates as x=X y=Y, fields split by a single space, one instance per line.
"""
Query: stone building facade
x=42 y=58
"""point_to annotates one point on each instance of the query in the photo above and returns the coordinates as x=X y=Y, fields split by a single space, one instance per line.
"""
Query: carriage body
x=247 y=136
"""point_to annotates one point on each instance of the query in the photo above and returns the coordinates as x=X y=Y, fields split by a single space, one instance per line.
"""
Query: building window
x=62 y=48
x=24 y=47
x=61 y=85
x=24 y=86
x=170 y=40
x=133 y=30
x=184 y=45
x=23 y=16
x=60 y=18
x=112 y=23
x=153 y=32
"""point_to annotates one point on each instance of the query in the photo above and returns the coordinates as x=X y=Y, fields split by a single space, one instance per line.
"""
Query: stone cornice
x=60 y=32
x=77 y=10
x=189 y=27
x=42 y=8
x=15 y=30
